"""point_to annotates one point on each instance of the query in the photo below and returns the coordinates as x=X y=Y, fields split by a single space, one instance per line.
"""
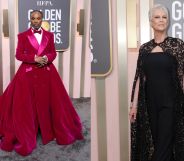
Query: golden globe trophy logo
x=46 y=25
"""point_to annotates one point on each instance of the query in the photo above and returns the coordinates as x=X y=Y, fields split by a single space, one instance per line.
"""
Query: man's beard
x=36 y=27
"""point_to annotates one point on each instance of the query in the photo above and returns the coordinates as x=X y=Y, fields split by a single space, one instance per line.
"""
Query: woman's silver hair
x=158 y=6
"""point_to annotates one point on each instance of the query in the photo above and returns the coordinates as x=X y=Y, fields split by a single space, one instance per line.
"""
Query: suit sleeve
x=21 y=53
x=51 y=55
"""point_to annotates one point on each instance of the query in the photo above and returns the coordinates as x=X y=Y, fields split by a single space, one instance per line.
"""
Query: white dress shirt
x=38 y=36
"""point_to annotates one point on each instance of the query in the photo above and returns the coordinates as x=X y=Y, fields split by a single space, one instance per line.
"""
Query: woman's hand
x=132 y=114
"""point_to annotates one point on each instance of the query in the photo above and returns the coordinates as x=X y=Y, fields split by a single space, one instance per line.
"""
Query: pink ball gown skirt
x=36 y=98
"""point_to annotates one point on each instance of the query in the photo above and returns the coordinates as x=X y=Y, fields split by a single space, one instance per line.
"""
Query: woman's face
x=159 y=20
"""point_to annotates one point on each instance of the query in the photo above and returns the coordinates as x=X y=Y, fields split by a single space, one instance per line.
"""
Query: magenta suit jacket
x=28 y=46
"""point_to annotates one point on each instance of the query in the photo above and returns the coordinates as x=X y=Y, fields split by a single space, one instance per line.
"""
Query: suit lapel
x=34 y=42
x=32 y=39
x=44 y=42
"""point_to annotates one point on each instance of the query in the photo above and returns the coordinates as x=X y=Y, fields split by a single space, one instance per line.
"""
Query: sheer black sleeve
x=135 y=88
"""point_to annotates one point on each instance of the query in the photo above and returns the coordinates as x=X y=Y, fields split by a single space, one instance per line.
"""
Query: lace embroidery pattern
x=141 y=139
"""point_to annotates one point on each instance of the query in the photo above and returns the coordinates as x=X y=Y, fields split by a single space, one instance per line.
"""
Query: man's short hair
x=36 y=11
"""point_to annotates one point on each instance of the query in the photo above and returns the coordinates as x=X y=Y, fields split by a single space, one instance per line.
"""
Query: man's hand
x=41 y=60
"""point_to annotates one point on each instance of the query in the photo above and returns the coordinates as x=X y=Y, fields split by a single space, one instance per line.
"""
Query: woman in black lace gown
x=157 y=118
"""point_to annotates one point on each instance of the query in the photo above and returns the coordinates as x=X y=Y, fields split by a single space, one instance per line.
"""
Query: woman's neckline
x=160 y=42
x=157 y=52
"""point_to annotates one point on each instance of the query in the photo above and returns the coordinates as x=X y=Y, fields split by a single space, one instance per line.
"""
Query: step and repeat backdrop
x=101 y=54
x=56 y=18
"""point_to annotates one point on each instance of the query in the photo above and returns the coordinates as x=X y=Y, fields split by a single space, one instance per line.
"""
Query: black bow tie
x=37 y=31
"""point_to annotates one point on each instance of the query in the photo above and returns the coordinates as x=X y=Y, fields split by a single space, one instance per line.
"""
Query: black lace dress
x=160 y=72
x=164 y=81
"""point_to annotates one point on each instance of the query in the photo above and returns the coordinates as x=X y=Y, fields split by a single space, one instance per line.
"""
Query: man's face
x=36 y=20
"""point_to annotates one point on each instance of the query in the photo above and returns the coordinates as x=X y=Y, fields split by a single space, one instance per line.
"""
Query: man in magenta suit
x=36 y=97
